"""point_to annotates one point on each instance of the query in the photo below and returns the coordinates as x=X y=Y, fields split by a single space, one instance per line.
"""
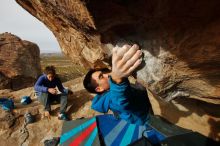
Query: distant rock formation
x=19 y=62
x=180 y=40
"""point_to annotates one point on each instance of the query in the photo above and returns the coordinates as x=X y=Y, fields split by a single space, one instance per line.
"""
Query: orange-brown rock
x=19 y=62
x=180 y=41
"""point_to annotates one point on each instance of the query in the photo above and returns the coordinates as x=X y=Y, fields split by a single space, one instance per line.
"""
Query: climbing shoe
x=63 y=116
x=52 y=142
x=29 y=118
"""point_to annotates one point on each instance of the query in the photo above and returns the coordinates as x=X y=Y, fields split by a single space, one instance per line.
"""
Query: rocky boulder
x=180 y=41
x=19 y=62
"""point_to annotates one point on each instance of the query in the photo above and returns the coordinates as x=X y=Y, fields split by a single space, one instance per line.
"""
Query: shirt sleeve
x=39 y=85
x=59 y=85
x=120 y=94
x=100 y=103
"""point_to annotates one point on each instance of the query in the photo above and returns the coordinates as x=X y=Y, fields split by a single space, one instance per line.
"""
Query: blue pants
x=47 y=99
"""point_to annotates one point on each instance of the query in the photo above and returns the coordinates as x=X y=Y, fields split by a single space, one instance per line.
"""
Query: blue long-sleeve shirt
x=130 y=103
x=43 y=84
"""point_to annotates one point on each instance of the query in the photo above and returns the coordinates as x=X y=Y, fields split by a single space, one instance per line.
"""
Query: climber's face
x=101 y=81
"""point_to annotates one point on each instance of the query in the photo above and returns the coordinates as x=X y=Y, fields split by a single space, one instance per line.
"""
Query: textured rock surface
x=19 y=62
x=180 y=40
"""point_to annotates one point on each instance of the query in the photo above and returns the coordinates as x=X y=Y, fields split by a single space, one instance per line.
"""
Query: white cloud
x=16 y=20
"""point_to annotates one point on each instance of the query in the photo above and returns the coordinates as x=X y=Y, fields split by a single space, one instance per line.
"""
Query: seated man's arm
x=39 y=85
x=59 y=85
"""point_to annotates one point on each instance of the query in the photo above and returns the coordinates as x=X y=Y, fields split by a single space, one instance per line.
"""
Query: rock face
x=180 y=41
x=19 y=62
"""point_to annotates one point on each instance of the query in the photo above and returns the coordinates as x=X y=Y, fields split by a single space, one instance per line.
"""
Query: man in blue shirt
x=47 y=92
x=114 y=90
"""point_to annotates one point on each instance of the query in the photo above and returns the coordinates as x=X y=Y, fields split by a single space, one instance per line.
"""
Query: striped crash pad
x=105 y=130
x=80 y=132
x=109 y=131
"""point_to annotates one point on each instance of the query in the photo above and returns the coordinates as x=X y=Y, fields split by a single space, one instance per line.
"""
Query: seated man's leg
x=62 y=98
x=44 y=99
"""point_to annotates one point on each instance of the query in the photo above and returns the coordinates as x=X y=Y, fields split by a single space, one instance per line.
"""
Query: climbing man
x=47 y=92
x=113 y=89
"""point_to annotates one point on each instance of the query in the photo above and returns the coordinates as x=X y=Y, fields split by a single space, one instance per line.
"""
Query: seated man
x=47 y=93
x=113 y=89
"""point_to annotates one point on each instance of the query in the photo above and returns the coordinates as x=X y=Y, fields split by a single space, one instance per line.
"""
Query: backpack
x=6 y=103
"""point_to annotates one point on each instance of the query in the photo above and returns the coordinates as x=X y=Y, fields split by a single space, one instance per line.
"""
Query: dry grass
x=64 y=67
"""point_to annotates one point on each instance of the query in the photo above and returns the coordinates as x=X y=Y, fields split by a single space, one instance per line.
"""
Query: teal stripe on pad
x=71 y=133
x=92 y=137
x=109 y=139
x=128 y=135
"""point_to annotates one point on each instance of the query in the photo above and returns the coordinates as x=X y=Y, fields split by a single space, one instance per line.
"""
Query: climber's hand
x=124 y=61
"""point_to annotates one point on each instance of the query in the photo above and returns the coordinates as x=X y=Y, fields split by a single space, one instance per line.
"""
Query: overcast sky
x=16 y=20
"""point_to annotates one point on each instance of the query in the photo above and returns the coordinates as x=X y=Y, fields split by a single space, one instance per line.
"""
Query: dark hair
x=87 y=82
x=50 y=70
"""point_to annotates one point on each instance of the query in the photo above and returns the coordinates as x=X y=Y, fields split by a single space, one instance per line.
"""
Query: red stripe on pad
x=83 y=135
